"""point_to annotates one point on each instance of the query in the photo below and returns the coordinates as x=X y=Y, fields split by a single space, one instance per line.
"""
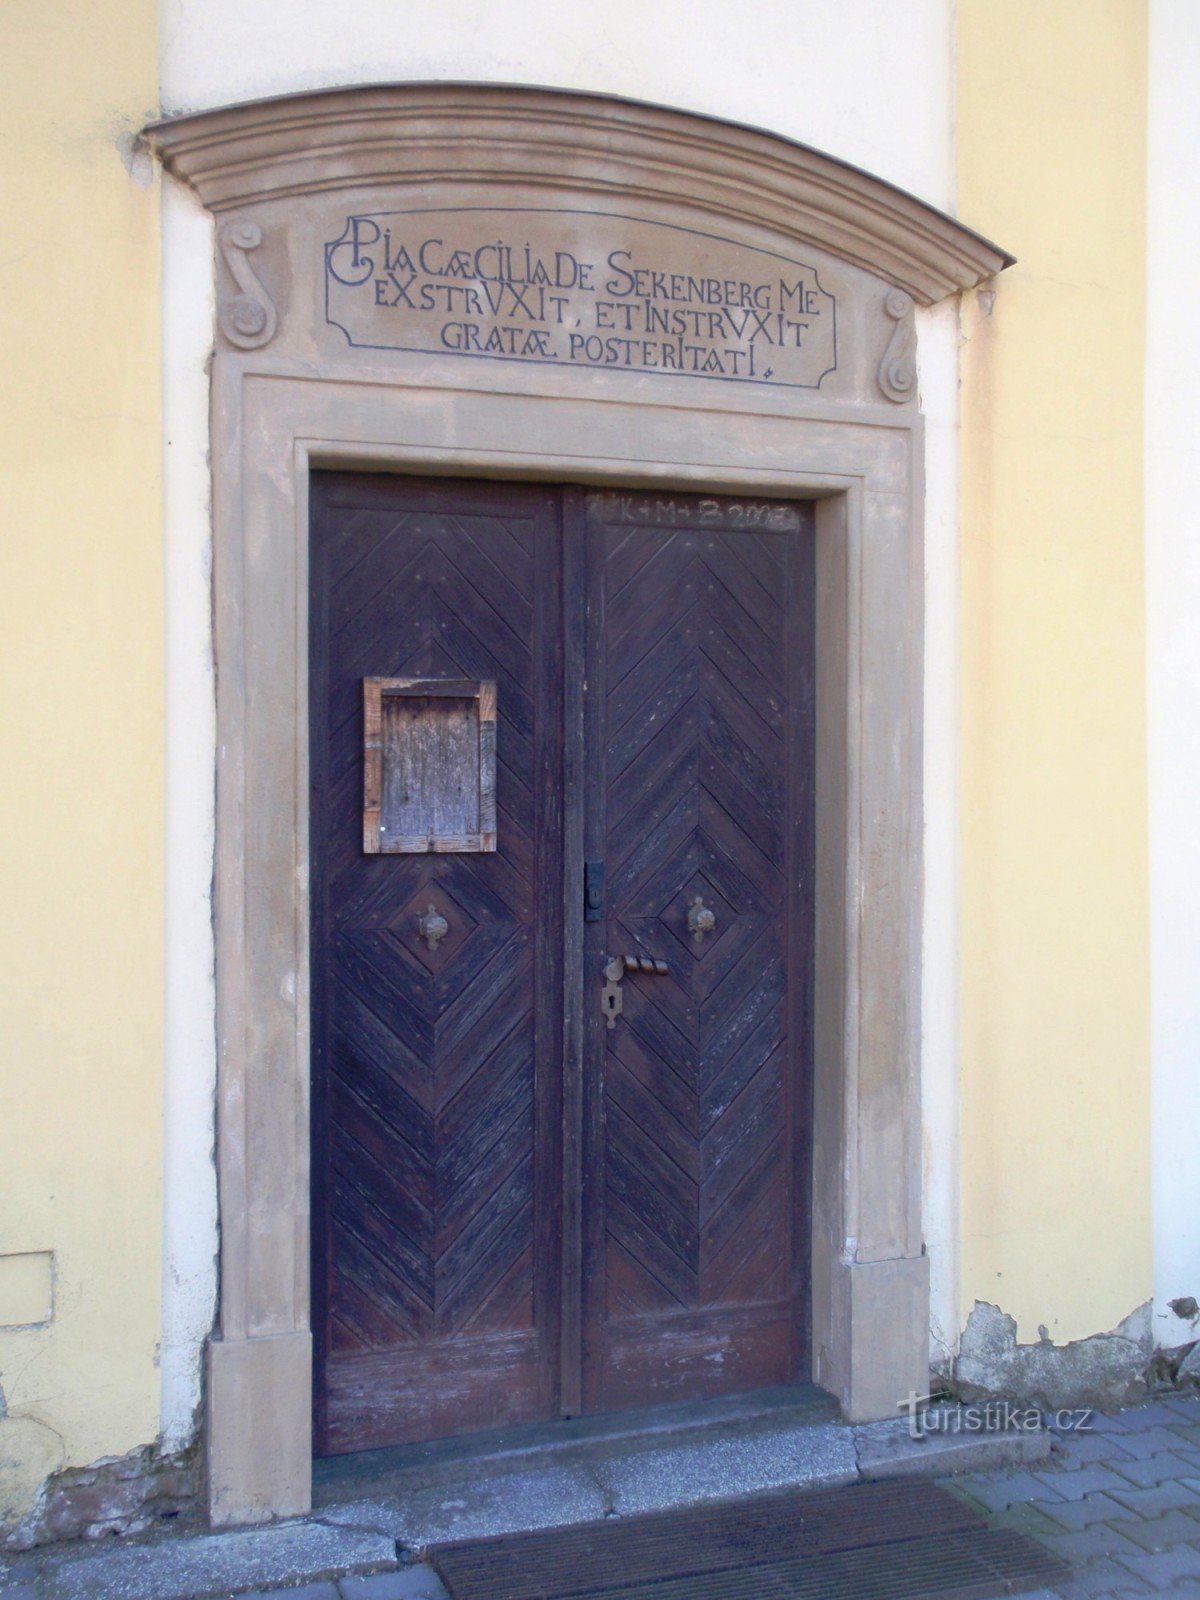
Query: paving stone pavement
x=1120 y=1501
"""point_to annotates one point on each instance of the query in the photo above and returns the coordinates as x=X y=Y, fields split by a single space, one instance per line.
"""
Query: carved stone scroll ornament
x=247 y=319
x=898 y=369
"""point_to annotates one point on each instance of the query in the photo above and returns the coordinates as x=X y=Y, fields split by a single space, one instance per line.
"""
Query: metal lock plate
x=615 y=968
x=611 y=998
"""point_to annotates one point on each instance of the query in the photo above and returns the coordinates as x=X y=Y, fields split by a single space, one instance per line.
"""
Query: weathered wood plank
x=700 y=686
x=436 y=956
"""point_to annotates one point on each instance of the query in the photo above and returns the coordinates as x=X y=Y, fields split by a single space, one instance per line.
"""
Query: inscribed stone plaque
x=578 y=289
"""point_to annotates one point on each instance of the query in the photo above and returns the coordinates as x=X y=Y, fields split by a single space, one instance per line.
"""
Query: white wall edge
x=1172 y=494
x=937 y=349
x=189 y=1177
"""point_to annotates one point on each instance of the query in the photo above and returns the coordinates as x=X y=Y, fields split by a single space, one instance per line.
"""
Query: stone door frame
x=277 y=414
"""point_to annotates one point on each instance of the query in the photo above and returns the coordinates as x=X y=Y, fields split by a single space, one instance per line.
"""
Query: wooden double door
x=547 y=1179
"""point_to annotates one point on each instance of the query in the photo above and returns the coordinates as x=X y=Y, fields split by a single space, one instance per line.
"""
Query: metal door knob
x=433 y=927
x=701 y=919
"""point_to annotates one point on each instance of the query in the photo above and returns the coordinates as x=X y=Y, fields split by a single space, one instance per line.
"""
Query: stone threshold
x=375 y=1513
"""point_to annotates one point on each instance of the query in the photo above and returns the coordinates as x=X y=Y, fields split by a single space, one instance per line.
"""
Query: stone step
x=376 y=1513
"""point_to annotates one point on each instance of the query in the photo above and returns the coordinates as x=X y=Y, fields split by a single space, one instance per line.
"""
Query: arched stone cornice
x=435 y=134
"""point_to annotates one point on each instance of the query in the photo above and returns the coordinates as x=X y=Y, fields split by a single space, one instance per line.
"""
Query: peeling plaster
x=30 y=1452
x=1107 y=1370
x=136 y=158
x=118 y=1494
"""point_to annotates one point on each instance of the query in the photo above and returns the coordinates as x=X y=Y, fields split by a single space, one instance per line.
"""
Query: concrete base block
x=884 y=1350
x=259 y=1428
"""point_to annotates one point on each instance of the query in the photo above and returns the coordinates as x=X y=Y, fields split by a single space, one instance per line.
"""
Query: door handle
x=638 y=964
x=612 y=999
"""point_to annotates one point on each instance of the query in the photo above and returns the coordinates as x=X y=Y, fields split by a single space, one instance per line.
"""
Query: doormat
x=874 y=1541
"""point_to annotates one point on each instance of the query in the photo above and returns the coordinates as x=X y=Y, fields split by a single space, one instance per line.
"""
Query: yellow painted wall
x=1051 y=103
x=80 y=736
x=1051 y=111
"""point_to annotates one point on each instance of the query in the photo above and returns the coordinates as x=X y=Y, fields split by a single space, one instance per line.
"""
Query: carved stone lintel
x=397 y=136
x=247 y=319
x=898 y=369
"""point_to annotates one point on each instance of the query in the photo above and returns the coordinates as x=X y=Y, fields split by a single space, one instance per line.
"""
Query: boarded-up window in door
x=429 y=765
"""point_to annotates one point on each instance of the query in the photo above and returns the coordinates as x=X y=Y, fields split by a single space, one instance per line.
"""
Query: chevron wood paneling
x=701 y=661
x=434 y=1206
x=518 y=1212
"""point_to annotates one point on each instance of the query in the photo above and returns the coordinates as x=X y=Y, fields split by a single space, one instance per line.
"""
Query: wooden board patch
x=429 y=766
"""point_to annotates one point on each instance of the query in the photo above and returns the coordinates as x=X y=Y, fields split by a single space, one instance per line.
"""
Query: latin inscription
x=579 y=290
